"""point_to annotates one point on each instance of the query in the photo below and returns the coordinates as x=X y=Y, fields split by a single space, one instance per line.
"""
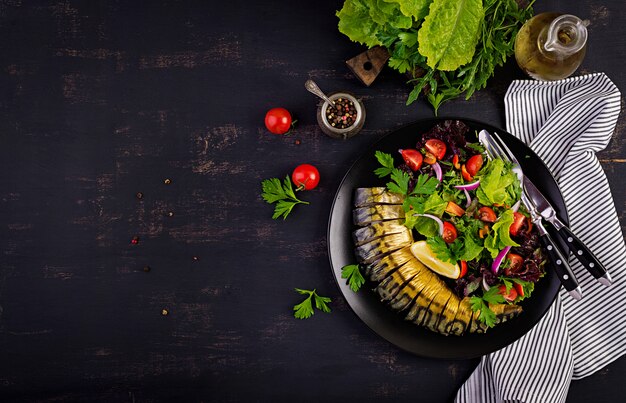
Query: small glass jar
x=332 y=125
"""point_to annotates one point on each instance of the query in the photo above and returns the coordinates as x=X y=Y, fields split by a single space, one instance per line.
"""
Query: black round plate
x=391 y=325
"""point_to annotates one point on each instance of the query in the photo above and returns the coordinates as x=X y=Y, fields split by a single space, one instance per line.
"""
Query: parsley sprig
x=415 y=200
x=281 y=194
x=425 y=185
x=304 y=310
x=481 y=303
x=386 y=160
x=353 y=274
x=451 y=252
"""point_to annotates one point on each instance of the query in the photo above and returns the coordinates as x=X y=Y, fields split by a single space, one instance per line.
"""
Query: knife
x=578 y=248
x=559 y=261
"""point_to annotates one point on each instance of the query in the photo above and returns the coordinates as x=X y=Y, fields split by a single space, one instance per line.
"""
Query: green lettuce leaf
x=499 y=236
x=495 y=185
x=435 y=205
x=426 y=226
x=355 y=22
x=471 y=249
x=383 y=13
x=450 y=32
x=418 y=9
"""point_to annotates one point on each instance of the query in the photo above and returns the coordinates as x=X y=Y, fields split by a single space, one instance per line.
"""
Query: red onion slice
x=485 y=285
x=495 y=266
x=434 y=217
x=469 y=198
x=469 y=186
x=438 y=173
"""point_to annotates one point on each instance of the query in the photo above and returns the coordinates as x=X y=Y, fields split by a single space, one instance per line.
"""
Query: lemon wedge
x=424 y=254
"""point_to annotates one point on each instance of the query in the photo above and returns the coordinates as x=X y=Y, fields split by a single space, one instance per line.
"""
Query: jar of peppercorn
x=344 y=118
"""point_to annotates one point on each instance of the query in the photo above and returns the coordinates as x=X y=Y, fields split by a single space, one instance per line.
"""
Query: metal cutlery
x=578 y=248
x=559 y=260
x=496 y=148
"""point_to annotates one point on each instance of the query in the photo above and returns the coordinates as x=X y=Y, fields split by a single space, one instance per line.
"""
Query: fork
x=496 y=148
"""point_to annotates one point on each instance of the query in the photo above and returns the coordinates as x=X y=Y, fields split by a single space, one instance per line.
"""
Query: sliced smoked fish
x=378 y=230
x=390 y=286
x=377 y=195
x=382 y=267
x=379 y=246
x=381 y=212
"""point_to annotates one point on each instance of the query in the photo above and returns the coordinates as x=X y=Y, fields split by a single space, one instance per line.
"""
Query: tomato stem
x=290 y=131
x=302 y=185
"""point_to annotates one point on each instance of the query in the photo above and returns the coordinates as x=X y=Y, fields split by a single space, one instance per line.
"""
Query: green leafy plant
x=499 y=237
x=352 y=273
x=446 y=47
x=304 y=309
x=281 y=194
x=481 y=303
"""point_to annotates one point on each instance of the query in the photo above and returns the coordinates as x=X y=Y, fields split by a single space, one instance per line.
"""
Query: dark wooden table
x=101 y=100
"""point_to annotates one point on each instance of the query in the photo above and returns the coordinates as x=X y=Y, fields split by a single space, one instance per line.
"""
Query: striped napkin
x=565 y=122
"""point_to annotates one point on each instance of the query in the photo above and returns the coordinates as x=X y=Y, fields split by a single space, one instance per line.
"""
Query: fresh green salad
x=466 y=217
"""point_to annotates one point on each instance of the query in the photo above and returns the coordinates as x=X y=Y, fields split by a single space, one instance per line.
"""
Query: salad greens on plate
x=467 y=222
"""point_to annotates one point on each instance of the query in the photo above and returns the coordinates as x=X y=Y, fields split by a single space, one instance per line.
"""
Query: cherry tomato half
x=486 y=214
x=518 y=221
x=436 y=147
x=305 y=177
x=278 y=120
x=449 y=232
x=515 y=262
x=508 y=296
x=474 y=164
x=520 y=290
x=412 y=158
x=463 y=268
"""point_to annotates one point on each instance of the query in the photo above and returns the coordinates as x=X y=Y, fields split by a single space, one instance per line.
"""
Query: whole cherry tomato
x=305 y=177
x=278 y=120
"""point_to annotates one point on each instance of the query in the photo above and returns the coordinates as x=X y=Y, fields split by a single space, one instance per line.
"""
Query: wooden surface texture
x=101 y=100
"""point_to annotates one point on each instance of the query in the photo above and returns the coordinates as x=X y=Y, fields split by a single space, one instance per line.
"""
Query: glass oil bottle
x=551 y=46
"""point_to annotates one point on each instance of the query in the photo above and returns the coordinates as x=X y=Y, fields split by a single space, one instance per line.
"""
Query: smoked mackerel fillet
x=383 y=248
